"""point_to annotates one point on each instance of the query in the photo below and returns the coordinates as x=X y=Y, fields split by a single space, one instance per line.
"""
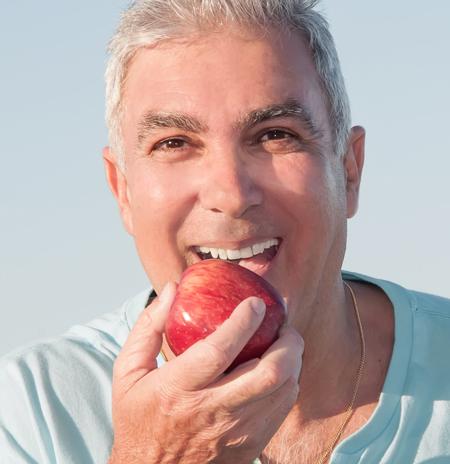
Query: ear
x=118 y=184
x=353 y=165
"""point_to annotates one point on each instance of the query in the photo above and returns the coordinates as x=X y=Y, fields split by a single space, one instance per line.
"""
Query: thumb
x=138 y=355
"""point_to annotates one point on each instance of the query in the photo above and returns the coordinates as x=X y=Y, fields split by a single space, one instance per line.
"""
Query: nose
x=229 y=186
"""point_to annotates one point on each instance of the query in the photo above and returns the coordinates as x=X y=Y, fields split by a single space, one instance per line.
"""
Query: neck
x=332 y=352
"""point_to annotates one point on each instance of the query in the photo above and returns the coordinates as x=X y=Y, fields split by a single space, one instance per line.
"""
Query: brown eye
x=275 y=134
x=170 y=144
x=278 y=141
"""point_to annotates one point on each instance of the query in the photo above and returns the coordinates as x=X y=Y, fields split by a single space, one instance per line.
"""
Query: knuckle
x=167 y=402
x=172 y=401
x=272 y=375
x=214 y=355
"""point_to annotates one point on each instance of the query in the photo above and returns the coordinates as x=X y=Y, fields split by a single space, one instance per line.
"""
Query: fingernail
x=258 y=306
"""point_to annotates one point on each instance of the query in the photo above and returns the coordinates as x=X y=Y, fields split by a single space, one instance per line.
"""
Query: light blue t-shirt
x=55 y=395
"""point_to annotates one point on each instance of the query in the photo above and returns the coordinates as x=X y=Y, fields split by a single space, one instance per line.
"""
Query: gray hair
x=148 y=22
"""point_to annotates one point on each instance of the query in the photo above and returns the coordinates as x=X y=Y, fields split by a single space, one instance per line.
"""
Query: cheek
x=313 y=211
x=160 y=200
x=159 y=196
x=313 y=205
x=312 y=191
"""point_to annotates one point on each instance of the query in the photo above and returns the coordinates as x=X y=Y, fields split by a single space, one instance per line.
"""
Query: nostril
x=230 y=190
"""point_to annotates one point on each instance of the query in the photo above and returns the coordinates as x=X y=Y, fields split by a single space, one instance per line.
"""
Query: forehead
x=222 y=75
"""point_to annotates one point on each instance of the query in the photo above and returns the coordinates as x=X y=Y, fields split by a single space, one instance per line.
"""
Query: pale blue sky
x=64 y=255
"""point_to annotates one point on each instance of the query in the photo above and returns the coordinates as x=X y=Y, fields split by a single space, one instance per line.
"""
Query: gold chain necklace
x=349 y=410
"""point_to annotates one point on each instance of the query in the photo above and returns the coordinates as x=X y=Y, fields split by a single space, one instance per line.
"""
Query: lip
x=262 y=270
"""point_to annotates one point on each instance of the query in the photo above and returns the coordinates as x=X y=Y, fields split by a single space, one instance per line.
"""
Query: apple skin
x=206 y=296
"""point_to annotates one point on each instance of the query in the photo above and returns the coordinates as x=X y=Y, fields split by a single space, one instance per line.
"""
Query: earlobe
x=118 y=184
x=353 y=165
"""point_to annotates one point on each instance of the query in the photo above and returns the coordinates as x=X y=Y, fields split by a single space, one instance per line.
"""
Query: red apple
x=208 y=293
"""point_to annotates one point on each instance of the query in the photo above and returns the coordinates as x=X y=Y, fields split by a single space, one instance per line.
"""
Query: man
x=229 y=127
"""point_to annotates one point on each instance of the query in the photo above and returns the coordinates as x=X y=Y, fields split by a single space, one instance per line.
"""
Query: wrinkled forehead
x=221 y=77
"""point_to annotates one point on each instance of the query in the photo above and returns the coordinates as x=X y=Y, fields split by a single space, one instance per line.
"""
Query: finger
x=208 y=358
x=264 y=417
x=259 y=378
x=139 y=353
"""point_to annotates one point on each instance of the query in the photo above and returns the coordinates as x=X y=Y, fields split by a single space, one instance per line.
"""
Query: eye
x=280 y=141
x=275 y=134
x=170 y=145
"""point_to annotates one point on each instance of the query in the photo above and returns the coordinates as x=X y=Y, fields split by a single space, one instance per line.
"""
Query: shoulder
x=416 y=300
x=56 y=392
x=432 y=333
x=434 y=305
x=422 y=320
x=82 y=347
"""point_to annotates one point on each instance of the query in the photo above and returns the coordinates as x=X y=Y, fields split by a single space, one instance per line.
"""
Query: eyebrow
x=292 y=108
x=153 y=120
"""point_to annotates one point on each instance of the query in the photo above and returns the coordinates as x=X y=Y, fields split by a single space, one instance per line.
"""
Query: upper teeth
x=246 y=252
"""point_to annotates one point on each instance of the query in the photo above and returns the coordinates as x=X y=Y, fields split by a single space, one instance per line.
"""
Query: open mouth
x=256 y=257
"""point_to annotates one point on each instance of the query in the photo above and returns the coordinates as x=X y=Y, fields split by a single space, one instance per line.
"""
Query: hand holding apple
x=188 y=410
